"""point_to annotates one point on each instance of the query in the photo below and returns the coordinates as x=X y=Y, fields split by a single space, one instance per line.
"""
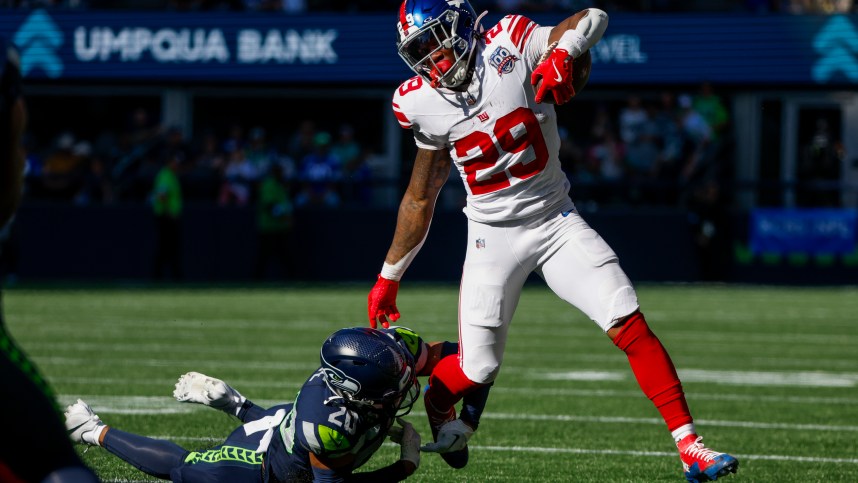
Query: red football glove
x=556 y=75
x=382 y=303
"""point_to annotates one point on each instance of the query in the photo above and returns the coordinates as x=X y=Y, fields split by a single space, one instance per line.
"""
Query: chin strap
x=477 y=27
x=478 y=34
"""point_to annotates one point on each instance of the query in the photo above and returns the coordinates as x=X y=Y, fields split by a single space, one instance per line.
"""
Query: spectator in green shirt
x=713 y=110
x=167 y=206
x=274 y=223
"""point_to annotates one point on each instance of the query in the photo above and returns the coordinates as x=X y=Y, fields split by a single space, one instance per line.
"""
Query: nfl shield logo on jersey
x=481 y=243
x=502 y=60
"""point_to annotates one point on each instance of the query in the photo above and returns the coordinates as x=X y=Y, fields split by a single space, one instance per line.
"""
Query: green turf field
x=771 y=374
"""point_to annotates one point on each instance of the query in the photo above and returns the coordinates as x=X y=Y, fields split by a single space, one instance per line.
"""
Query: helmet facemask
x=408 y=396
x=440 y=33
x=394 y=403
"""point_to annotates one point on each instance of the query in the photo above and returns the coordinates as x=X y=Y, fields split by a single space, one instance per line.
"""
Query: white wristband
x=397 y=270
x=393 y=272
x=573 y=42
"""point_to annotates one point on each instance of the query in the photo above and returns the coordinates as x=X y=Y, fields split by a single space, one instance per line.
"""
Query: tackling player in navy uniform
x=341 y=416
x=36 y=447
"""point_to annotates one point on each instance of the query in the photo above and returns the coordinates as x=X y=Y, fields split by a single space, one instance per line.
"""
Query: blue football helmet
x=427 y=26
x=370 y=371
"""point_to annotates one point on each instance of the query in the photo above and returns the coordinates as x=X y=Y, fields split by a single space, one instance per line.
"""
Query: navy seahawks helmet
x=370 y=371
x=426 y=26
x=410 y=342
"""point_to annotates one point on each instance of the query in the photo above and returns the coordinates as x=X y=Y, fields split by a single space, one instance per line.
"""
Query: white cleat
x=83 y=425
x=194 y=387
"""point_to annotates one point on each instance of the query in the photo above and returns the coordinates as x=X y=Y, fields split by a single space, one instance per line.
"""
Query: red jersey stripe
x=530 y=29
x=518 y=28
x=403 y=121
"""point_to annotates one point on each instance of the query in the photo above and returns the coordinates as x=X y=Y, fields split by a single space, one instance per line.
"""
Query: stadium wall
x=116 y=243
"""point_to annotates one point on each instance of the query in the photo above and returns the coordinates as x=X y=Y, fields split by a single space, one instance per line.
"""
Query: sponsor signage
x=332 y=48
x=810 y=231
x=205 y=47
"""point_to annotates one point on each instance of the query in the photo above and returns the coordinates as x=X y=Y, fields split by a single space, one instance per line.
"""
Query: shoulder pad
x=404 y=97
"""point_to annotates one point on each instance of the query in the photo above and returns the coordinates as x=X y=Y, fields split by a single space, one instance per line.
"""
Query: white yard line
x=690 y=395
x=657 y=421
x=181 y=363
x=528 y=449
x=736 y=378
x=167 y=405
x=658 y=454
x=292 y=386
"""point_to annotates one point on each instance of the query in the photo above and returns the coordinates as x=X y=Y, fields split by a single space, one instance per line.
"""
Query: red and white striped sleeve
x=519 y=29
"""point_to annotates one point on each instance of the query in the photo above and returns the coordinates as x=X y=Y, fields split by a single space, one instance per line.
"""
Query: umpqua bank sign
x=217 y=46
x=184 y=45
x=107 y=46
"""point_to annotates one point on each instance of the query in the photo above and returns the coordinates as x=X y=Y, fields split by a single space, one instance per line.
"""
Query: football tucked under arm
x=580 y=74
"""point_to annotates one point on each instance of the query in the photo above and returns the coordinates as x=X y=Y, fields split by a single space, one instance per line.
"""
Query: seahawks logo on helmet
x=339 y=380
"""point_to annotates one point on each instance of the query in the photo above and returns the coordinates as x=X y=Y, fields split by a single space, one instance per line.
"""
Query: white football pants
x=576 y=263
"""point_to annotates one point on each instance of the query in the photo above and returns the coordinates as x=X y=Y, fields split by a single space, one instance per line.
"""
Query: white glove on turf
x=452 y=436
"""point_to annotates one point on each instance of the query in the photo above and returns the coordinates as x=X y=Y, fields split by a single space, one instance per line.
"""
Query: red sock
x=448 y=384
x=654 y=370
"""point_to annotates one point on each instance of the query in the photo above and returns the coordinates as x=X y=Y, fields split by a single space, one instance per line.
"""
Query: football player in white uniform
x=477 y=102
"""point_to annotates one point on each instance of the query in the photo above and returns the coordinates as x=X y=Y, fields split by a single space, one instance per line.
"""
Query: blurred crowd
x=660 y=149
x=320 y=167
x=517 y=6
x=653 y=148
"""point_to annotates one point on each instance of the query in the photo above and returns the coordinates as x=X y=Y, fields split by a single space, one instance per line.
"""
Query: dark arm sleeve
x=251 y=412
x=449 y=348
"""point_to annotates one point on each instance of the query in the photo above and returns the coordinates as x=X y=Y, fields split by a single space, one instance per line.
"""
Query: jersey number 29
x=509 y=143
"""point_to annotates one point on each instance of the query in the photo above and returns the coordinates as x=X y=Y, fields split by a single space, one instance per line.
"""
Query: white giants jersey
x=504 y=144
